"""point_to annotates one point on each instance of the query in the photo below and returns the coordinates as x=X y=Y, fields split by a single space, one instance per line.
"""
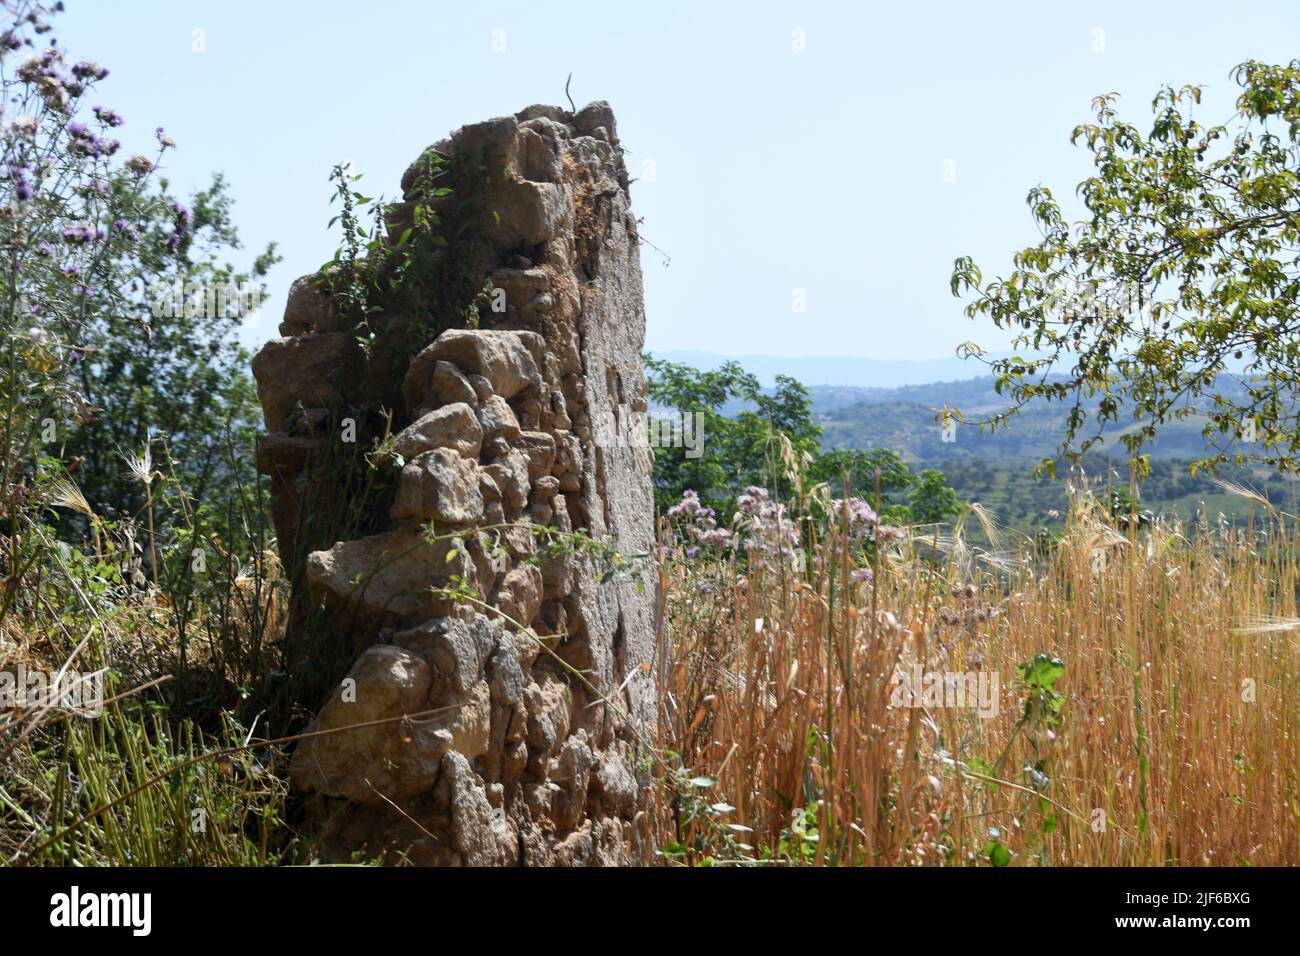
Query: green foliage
x=931 y=500
x=703 y=835
x=995 y=851
x=401 y=275
x=856 y=473
x=211 y=801
x=800 y=842
x=1042 y=700
x=1186 y=262
x=739 y=450
x=163 y=365
x=905 y=497
x=1124 y=509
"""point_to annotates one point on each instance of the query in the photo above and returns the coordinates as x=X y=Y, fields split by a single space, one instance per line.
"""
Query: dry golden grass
x=1178 y=738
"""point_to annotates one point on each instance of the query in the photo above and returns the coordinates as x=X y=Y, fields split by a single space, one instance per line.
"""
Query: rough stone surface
x=439 y=485
x=482 y=745
x=500 y=357
x=451 y=426
x=311 y=371
x=310 y=308
x=385 y=576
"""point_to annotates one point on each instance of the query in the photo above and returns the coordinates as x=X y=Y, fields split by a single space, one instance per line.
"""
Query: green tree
x=93 y=371
x=164 y=366
x=853 y=471
x=1188 y=260
x=738 y=450
x=931 y=500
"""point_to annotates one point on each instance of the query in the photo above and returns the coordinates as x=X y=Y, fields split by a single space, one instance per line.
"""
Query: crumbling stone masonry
x=496 y=425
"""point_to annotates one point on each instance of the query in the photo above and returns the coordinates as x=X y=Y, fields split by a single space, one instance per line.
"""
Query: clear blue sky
x=774 y=170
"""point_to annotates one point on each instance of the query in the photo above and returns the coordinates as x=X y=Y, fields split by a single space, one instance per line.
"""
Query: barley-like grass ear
x=988 y=521
x=65 y=494
x=1268 y=625
x=1242 y=490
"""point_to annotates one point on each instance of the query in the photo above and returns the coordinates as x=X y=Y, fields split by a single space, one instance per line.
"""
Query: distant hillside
x=903 y=419
x=839 y=369
x=997 y=469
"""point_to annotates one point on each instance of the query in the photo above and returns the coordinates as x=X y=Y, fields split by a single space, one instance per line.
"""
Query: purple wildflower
x=108 y=117
x=184 y=218
x=183 y=214
x=78 y=235
x=89 y=70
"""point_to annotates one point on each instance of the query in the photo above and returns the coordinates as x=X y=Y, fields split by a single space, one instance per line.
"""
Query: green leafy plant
x=1185 y=263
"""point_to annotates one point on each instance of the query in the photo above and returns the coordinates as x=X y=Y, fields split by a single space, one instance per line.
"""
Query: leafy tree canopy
x=1186 y=266
x=740 y=449
x=736 y=451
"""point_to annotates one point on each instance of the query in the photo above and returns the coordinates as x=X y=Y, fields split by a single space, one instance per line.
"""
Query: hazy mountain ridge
x=903 y=419
x=842 y=370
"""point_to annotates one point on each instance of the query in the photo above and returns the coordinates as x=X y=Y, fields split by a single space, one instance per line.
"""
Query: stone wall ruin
x=494 y=426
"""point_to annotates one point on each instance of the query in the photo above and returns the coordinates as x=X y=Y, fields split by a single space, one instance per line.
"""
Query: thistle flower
x=700 y=524
x=183 y=220
x=108 y=117
x=139 y=165
x=26 y=126
x=89 y=70
x=770 y=535
x=32 y=70
x=857 y=518
x=78 y=235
